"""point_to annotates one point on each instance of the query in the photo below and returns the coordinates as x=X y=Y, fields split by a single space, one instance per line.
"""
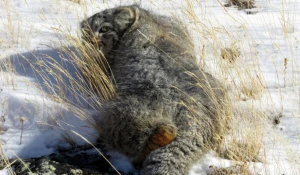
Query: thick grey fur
x=158 y=83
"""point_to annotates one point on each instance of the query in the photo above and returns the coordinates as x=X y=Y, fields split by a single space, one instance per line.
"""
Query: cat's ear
x=126 y=16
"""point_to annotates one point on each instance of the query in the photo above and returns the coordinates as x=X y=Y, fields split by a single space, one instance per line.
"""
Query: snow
x=30 y=33
x=4 y=172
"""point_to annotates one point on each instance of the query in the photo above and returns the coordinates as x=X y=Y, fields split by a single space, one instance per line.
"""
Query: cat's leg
x=176 y=158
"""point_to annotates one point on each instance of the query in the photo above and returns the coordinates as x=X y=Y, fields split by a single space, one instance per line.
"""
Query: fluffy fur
x=162 y=95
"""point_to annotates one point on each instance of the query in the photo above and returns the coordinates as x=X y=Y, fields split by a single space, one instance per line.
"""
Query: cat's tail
x=162 y=136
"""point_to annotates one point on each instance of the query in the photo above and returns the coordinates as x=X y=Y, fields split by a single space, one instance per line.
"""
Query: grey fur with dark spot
x=158 y=83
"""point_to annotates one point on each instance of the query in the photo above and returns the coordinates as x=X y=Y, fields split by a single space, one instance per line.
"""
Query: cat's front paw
x=160 y=164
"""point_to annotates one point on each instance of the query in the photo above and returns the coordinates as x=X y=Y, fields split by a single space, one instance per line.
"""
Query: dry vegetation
x=242 y=4
x=245 y=83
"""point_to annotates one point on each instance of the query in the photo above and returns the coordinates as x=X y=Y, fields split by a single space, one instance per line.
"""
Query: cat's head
x=104 y=29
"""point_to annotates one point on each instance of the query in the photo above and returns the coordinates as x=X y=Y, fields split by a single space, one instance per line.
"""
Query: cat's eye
x=104 y=29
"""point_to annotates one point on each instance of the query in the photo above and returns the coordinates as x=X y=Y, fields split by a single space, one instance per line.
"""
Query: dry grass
x=230 y=54
x=242 y=4
x=243 y=141
x=245 y=83
x=4 y=162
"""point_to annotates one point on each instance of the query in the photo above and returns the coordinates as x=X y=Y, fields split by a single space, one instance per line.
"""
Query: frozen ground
x=32 y=29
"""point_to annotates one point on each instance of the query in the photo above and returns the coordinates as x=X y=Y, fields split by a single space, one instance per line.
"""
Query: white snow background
x=31 y=29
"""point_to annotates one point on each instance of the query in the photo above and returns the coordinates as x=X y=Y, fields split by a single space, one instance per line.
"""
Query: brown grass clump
x=244 y=142
x=76 y=1
x=245 y=152
x=242 y=4
x=96 y=71
x=230 y=54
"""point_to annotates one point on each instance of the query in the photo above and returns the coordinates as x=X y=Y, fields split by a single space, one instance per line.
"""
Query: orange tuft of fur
x=164 y=135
